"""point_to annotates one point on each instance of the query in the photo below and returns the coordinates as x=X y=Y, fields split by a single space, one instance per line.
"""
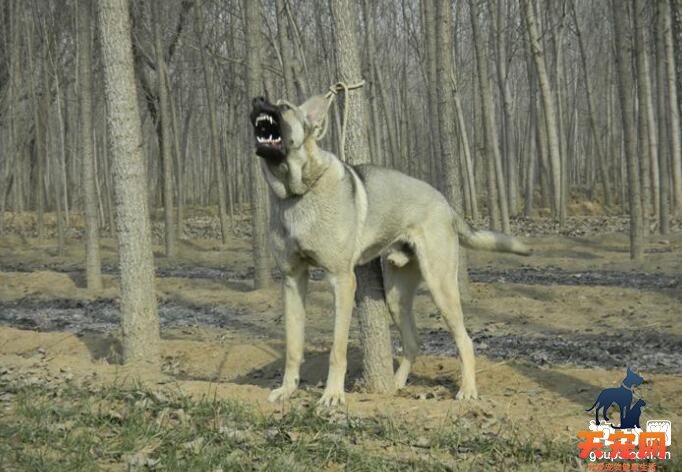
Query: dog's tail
x=488 y=240
x=595 y=404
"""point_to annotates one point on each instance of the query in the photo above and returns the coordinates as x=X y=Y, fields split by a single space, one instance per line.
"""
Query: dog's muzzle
x=266 y=119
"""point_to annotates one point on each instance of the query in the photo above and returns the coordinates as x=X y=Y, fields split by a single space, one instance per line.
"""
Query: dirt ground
x=551 y=331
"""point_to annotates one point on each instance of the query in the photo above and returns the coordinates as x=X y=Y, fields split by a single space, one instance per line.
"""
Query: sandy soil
x=551 y=331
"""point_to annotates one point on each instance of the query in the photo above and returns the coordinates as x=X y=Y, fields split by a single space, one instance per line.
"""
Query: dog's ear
x=315 y=110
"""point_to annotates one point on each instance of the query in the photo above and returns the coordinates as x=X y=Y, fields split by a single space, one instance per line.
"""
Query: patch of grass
x=69 y=428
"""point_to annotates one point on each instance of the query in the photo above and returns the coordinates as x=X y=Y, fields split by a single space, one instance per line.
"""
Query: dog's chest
x=307 y=230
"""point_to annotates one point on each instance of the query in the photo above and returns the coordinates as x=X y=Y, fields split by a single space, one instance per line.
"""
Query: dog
x=335 y=216
x=621 y=396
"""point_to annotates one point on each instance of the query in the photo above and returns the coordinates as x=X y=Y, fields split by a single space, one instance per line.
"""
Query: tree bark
x=259 y=193
x=549 y=108
x=663 y=123
x=139 y=318
x=492 y=145
x=164 y=131
x=622 y=46
x=213 y=129
x=370 y=307
x=673 y=108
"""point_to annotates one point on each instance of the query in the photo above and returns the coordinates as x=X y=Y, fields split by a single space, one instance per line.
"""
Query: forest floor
x=550 y=332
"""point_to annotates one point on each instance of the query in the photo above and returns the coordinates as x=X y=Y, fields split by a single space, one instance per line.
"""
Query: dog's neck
x=303 y=168
x=628 y=387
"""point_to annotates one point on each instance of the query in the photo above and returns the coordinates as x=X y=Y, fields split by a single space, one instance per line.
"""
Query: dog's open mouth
x=267 y=131
x=266 y=121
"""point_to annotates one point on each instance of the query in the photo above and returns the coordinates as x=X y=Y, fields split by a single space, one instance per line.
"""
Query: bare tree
x=551 y=126
x=92 y=257
x=623 y=47
x=371 y=307
x=139 y=318
x=164 y=125
x=492 y=145
x=259 y=193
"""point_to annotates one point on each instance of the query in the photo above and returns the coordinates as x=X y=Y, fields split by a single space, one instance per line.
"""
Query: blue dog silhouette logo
x=621 y=396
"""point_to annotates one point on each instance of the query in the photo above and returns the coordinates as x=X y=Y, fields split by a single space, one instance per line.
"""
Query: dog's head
x=632 y=379
x=283 y=128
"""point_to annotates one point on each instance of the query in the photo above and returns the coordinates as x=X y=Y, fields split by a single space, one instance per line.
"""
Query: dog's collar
x=632 y=388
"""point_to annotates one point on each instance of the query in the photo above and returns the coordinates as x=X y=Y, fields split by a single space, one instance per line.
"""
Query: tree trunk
x=139 y=318
x=663 y=123
x=370 y=307
x=673 y=108
x=549 y=108
x=622 y=46
x=259 y=193
x=598 y=145
x=492 y=145
x=644 y=99
x=164 y=131
x=213 y=128
x=443 y=88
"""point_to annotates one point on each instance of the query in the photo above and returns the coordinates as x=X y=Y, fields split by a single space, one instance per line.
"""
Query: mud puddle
x=646 y=350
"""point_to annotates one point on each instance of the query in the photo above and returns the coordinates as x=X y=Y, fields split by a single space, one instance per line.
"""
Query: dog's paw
x=467 y=393
x=400 y=379
x=281 y=394
x=332 y=399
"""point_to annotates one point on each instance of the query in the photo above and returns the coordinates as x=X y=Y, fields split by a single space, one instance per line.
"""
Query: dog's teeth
x=271 y=120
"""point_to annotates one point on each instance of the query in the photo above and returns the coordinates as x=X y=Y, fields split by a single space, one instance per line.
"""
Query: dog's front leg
x=295 y=286
x=344 y=292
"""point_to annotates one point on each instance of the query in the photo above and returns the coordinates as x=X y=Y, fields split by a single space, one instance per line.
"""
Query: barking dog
x=328 y=214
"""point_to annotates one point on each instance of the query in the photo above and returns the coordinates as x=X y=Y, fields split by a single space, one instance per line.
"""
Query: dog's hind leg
x=295 y=287
x=436 y=247
x=400 y=285
x=344 y=291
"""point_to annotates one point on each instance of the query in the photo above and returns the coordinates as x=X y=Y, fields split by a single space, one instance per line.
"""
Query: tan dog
x=329 y=214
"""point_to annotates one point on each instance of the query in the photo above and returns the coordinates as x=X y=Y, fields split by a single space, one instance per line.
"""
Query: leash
x=334 y=90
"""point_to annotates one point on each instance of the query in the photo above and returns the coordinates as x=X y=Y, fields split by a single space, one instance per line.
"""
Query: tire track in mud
x=646 y=350
x=523 y=275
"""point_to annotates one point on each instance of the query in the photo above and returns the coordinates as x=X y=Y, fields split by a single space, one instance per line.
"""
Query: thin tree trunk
x=598 y=145
x=644 y=99
x=164 y=132
x=492 y=145
x=673 y=108
x=259 y=195
x=213 y=129
x=549 y=109
x=622 y=45
x=663 y=123
x=139 y=318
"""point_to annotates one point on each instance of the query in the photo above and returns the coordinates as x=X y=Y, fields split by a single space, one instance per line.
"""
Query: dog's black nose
x=259 y=101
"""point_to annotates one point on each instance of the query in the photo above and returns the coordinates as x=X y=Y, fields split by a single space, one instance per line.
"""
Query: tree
x=673 y=108
x=551 y=126
x=623 y=48
x=259 y=193
x=371 y=307
x=92 y=258
x=492 y=145
x=139 y=318
x=214 y=139
x=164 y=125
